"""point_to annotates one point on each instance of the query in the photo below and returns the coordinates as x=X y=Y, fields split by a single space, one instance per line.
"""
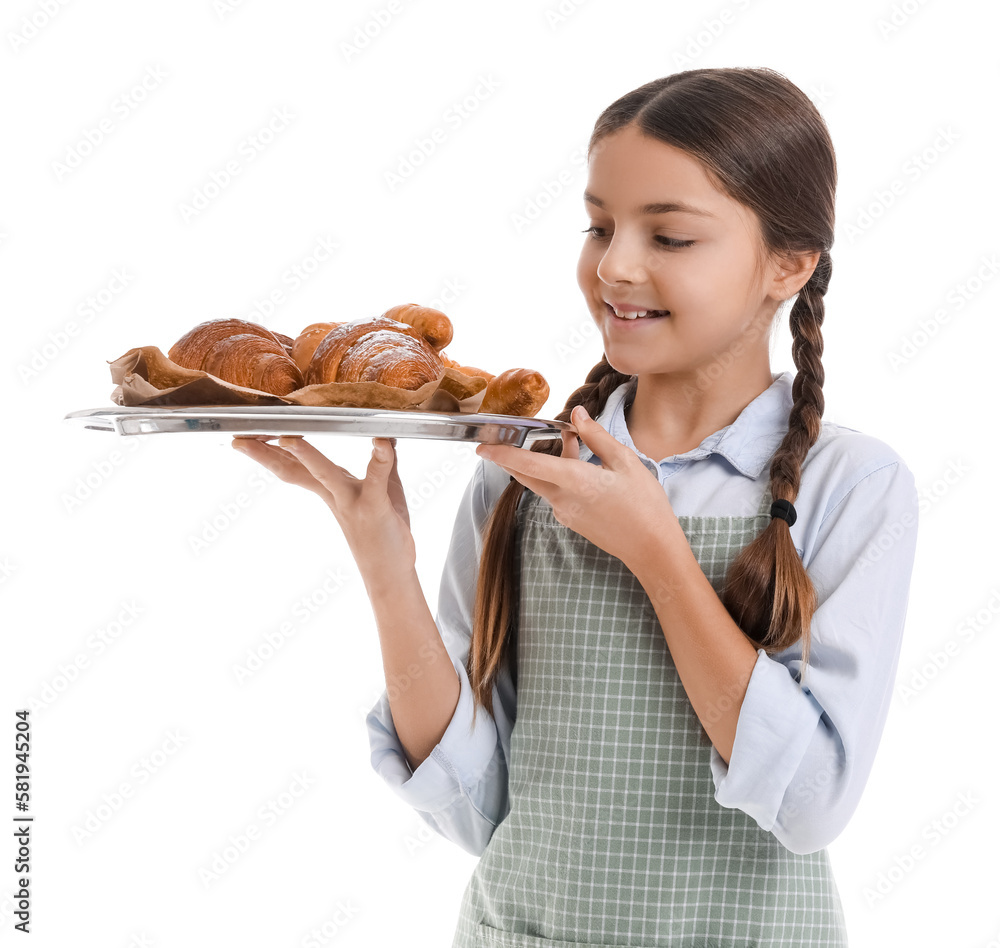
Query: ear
x=791 y=273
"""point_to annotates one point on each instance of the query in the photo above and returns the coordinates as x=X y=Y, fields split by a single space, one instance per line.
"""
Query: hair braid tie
x=784 y=510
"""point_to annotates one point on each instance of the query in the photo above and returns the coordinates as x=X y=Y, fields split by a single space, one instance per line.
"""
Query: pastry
x=515 y=392
x=306 y=342
x=390 y=358
x=239 y=352
x=432 y=324
x=334 y=345
x=472 y=370
x=286 y=342
x=402 y=348
x=464 y=369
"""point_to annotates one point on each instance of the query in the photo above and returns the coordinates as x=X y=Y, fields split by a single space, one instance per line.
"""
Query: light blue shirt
x=801 y=757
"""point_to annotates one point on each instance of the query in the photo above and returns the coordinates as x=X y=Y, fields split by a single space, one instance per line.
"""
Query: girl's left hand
x=618 y=505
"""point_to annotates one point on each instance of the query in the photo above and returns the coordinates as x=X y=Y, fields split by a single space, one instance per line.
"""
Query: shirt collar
x=748 y=443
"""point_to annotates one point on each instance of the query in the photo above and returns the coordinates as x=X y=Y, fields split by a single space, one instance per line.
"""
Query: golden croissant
x=305 y=343
x=515 y=392
x=432 y=324
x=374 y=350
x=239 y=352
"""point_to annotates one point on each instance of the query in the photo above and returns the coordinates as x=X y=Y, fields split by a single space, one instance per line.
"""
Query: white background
x=99 y=529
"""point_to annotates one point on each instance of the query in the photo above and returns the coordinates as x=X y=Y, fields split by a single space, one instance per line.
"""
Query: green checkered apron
x=614 y=837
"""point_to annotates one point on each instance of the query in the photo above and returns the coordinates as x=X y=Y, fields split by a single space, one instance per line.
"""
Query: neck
x=672 y=414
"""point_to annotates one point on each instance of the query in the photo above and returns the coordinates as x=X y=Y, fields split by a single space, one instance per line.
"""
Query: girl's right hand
x=371 y=512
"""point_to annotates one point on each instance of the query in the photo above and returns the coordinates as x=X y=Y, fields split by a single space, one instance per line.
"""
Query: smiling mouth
x=648 y=314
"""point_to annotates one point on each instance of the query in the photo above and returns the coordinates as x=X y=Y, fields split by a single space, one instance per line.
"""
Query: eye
x=673 y=242
x=597 y=233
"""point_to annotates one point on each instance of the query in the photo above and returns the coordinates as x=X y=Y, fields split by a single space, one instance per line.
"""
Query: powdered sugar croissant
x=375 y=350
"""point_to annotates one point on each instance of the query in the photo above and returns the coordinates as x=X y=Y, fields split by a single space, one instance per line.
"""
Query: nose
x=624 y=261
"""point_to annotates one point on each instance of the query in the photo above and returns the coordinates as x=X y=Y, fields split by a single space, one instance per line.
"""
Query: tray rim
x=113 y=416
x=317 y=411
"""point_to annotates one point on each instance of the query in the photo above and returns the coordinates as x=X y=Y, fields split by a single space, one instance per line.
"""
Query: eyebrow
x=664 y=208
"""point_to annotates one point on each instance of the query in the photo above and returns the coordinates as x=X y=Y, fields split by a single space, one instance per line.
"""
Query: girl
x=694 y=615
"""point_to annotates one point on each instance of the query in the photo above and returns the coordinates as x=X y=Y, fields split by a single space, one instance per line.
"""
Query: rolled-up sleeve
x=802 y=755
x=460 y=789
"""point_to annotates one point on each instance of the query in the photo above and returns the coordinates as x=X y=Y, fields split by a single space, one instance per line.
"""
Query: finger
x=305 y=453
x=283 y=465
x=339 y=484
x=257 y=443
x=606 y=446
x=395 y=487
x=527 y=467
x=283 y=462
x=240 y=441
x=384 y=449
x=332 y=476
x=536 y=485
x=524 y=463
x=383 y=461
x=570 y=446
x=383 y=477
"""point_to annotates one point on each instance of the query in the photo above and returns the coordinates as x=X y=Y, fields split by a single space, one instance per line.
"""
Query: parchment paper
x=145 y=376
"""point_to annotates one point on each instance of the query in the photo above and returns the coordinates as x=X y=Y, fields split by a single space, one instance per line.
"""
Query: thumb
x=588 y=428
x=382 y=450
x=594 y=435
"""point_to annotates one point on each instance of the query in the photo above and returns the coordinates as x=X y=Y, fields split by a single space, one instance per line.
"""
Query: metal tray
x=299 y=420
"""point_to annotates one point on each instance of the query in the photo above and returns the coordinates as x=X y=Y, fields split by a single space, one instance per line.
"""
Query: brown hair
x=764 y=144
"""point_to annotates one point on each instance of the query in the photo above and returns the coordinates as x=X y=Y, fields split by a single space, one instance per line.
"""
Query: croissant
x=325 y=362
x=306 y=342
x=213 y=329
x=286 y=342
x=390 y=358
x=464 y=369
x=239 y=352
x=472 y=370
x=515 y=392
x=432 y=324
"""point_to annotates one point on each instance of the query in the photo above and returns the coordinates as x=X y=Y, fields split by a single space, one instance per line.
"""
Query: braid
x=602 y=380
x=768 y=592
x=494 y=626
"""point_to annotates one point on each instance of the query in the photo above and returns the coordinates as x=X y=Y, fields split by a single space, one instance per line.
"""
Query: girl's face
x=698 y=263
